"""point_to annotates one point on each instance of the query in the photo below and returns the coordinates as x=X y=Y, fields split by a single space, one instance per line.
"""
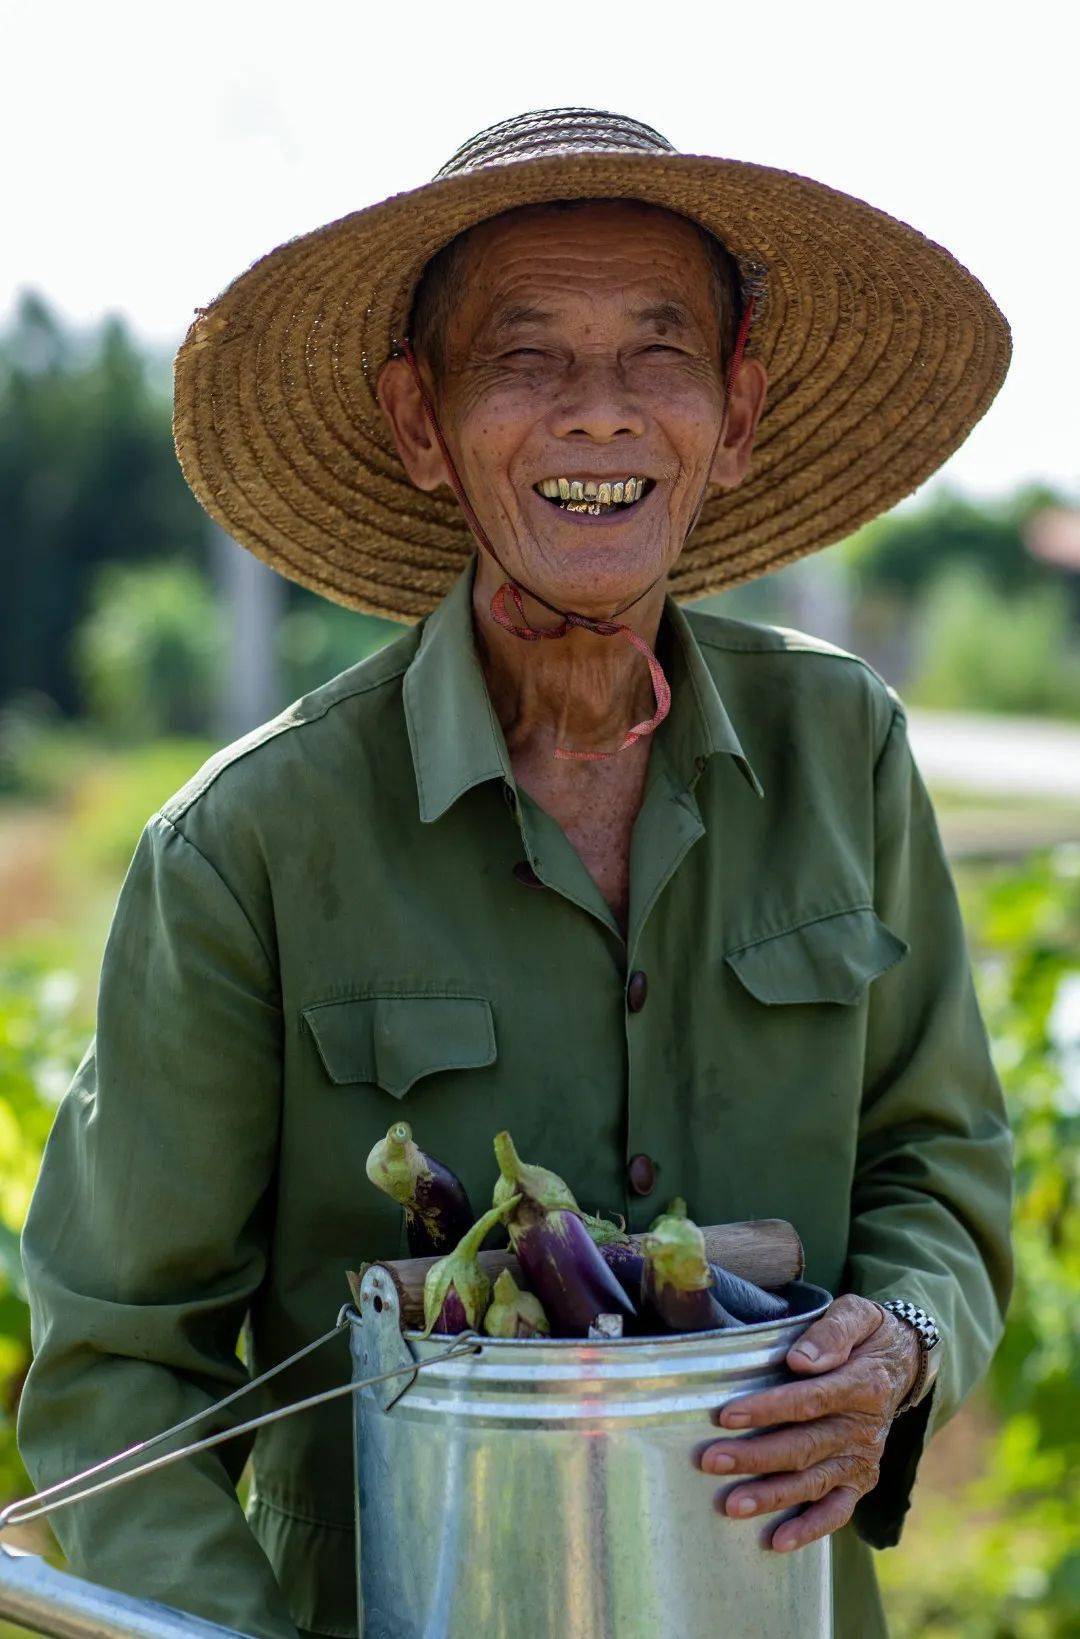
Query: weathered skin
x=437 y=1209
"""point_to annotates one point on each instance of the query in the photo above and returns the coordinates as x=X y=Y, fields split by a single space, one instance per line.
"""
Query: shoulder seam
x=282 y=724
x=210 y=866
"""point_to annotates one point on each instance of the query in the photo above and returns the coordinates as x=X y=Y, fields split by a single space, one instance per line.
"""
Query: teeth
x=590 y=495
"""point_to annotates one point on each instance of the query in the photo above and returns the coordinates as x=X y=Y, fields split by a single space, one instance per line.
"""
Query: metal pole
x=44 y=1600
x=254 y=603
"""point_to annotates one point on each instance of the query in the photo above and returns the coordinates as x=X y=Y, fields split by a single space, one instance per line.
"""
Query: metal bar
x=48 y=1601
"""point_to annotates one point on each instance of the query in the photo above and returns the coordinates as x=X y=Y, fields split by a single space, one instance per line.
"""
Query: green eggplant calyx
x=395 y=1164
x=517 y=1177
x=605 y=1233
x=514 y=1313
x=461 y=1270
x=676 y=1208
x=675 y=1249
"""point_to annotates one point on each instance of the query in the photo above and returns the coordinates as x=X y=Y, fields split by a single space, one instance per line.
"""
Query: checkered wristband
x=926 y=1329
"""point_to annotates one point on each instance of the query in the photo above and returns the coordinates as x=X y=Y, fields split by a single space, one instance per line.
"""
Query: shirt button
x=637 y=988
x=526 y=875
x=642 y=1174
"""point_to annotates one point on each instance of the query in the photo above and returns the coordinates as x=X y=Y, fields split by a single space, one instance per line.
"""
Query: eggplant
x=514 y=1313
x=437 y=1209
x=605 y=1233
x=626 y=1264
x=677 y=1281
x=565 y=1269
x=518 y=1177
x=747 y=1302
x=456 y=1289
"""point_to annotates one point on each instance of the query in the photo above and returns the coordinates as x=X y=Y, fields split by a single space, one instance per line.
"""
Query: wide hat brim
x=882 y=352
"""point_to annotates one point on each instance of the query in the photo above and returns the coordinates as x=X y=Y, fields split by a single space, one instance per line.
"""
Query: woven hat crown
x=554 y=131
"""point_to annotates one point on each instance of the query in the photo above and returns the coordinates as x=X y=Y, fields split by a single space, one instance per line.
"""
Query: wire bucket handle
x=51 y=1498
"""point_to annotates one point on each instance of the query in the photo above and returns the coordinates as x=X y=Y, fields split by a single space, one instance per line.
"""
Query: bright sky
x=154 y=151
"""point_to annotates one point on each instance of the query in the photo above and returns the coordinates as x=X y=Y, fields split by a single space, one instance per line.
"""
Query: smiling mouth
x=594 y=497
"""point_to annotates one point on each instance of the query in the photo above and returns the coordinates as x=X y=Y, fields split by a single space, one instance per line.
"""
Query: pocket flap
x=831 y=959
x=394 y=1040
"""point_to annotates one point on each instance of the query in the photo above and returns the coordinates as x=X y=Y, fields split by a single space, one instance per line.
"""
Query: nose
x=596 y=403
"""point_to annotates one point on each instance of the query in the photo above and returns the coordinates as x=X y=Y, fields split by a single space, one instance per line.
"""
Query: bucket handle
x=47 y=1502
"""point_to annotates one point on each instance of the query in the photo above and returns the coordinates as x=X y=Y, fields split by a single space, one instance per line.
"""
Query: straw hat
x=882 y=353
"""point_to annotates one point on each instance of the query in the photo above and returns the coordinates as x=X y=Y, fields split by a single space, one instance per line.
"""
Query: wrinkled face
x=582 y=394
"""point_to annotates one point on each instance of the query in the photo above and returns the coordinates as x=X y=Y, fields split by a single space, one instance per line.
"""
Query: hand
x=862 y=1362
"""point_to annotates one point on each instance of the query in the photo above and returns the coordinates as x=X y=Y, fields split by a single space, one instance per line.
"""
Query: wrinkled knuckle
x=848 y=1498
x=815 y=1400
x=822 y=1479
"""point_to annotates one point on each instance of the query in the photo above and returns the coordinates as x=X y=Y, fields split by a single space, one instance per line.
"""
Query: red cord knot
x=601 y=628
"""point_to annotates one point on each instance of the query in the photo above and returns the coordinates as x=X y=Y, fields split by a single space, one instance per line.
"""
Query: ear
x=401 y=404
x=744 y=412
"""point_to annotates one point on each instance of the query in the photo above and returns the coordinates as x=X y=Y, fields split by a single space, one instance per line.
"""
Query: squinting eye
x=524 y=353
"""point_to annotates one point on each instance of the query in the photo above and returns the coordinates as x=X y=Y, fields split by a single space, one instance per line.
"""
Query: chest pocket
x=393 y=1040
x=829 y=959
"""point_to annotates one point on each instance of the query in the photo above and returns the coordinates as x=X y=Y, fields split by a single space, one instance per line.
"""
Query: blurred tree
x=904 y=551
x=150 y=649
x=87 y=473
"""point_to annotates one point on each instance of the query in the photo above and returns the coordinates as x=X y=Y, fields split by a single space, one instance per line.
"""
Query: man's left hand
x=861 y=1362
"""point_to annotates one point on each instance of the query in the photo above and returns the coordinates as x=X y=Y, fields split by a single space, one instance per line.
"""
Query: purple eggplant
x=741 y=1298
x=677 y=1282
x=626 y=1264
x=437 y=1209
x=565 y=1269
x=514 y=1313
x=456 y=1289
x=518 y=1177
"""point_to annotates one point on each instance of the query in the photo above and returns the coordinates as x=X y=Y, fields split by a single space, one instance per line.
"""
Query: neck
x=579 y=690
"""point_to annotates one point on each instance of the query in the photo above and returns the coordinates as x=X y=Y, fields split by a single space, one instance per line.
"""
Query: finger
x=861 y=1387
x=847 y=1322
x=821 y=1520
x=784 y=1450
x=776 y=1491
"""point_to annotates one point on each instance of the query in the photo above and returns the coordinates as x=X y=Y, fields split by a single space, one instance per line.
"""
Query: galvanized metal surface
x=548 y=1489
x=49 y=1601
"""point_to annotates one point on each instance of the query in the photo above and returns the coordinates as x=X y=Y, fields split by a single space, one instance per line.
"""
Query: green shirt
x=328 y=929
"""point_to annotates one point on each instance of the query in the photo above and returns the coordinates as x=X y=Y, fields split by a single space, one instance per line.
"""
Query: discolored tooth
x=577 y=490
x=564 y=490
x=603 y=494
x=590 y=492
x=551 y=488
x=617 y=492
x=638 y=485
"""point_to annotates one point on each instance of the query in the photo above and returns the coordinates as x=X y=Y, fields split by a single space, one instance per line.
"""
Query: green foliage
x=317 y=639
x=906 y=550
x=984 y=650
x=41 y=1041
x=1013 y=1572
x=88 y=475
x=150 y=649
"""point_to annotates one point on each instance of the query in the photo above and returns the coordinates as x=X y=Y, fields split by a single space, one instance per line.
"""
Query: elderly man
x=659 y=890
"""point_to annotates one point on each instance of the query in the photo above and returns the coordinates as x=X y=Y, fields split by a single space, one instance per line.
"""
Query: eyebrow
x=672 y=313
x=510 y=318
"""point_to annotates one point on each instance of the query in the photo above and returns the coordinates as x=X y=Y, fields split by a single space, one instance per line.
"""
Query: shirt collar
x=457 y=741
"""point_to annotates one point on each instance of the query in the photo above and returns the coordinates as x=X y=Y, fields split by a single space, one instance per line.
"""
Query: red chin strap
x=569 y=618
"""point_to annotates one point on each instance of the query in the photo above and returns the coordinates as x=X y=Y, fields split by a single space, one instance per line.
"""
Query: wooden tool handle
x=765 y=1250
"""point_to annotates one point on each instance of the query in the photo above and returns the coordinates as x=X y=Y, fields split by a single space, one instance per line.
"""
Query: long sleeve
x=147 y=1236
x=931 y=1200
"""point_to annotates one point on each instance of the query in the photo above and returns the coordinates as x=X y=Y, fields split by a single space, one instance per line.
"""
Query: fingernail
x=737 y=1419
x=809 y=1350
x=783 y=1547
x=721 y=1462
x=743 y=1506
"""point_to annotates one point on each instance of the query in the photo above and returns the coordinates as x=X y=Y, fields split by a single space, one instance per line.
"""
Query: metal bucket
x=550 y=1489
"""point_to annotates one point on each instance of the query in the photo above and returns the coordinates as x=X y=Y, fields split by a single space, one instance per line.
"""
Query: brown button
x=642 y=1174
x=526 y=875
x=637 y=988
